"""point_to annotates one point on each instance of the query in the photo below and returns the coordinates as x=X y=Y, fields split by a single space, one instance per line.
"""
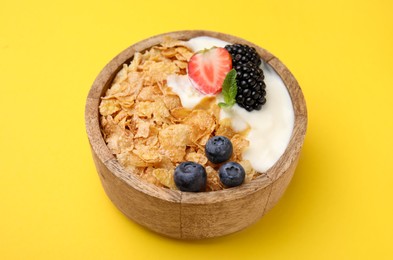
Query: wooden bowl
x=186 y=215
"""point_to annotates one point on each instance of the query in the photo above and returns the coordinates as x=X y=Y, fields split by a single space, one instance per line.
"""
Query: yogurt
x=270 y=128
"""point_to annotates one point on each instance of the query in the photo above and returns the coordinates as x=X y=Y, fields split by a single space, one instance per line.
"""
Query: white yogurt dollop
x=270 y=128
x=205 y=42
x=182 y=86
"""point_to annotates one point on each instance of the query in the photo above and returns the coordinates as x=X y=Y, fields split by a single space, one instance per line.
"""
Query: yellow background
x=339 y=204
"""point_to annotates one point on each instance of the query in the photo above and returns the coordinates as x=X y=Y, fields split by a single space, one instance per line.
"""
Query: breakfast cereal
x=149 y=131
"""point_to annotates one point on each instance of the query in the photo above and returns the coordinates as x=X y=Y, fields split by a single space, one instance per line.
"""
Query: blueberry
x=190 y=176
x=218 y=149
x=231 y=174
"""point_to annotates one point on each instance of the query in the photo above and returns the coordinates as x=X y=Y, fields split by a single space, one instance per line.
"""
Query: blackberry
x=242 y=54
x=250 y=86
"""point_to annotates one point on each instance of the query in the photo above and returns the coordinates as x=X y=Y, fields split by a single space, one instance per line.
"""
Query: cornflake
x=150 y=132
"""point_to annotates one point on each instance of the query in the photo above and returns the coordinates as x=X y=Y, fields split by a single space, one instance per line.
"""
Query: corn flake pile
x=148 y=130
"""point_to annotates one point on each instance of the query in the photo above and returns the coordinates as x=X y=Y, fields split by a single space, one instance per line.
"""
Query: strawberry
x=207 y=69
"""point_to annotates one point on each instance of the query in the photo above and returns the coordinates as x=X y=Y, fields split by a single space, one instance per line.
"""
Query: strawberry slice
x=207 y=69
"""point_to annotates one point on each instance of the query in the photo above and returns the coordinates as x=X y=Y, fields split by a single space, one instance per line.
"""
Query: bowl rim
x=98 y=145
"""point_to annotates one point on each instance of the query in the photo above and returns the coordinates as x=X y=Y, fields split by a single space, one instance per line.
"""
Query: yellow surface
x=339 y=204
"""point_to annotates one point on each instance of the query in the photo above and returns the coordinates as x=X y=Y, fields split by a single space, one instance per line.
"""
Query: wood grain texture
x=223 y=212
x=186 y=215
x=146 y=204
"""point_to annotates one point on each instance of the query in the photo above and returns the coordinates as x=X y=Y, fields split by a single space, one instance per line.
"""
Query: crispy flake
x=213 y=180
x=250 y=172
x=240 y=144
x=165 y=177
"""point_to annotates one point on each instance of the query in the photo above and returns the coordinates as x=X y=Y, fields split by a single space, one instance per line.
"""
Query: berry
x=242 y=54
x=218 y=149
x=190 y=176
x=207 y=69
x=231 y=174
x=250 y=86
